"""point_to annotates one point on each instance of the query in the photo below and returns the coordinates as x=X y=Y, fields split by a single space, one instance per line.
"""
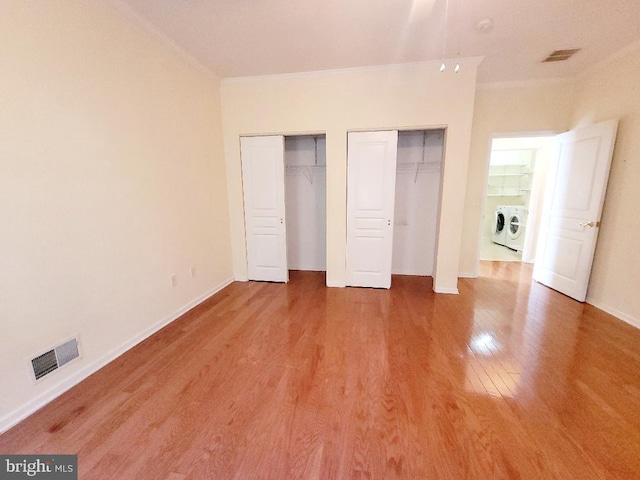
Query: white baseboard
x=19 y=414
x=307 y=268
x=468 y=275
x=332 y=284
x=616 y=313
x=447 y=291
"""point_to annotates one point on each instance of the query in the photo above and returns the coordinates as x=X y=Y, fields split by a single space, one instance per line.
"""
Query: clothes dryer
x=515 y=228
x=499 y=233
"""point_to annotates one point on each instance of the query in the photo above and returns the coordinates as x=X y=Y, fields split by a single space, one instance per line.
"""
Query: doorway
x=514 y=199
x=561 y=231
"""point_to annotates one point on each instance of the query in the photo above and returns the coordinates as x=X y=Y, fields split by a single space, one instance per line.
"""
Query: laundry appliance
x=499 y=233
x=515 y=228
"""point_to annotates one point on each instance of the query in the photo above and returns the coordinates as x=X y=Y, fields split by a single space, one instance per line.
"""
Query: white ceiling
x=261 y=37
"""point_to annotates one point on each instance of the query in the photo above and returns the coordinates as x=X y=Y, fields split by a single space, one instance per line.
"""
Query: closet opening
x=417 y=201
x=305 y=202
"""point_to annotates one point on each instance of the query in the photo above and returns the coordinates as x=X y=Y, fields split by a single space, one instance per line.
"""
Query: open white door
x=371 y=181
x=264 y=213
x=576 y=188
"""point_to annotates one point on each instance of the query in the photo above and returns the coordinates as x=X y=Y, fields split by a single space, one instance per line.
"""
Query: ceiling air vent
x=57 y=357
x=561 y=55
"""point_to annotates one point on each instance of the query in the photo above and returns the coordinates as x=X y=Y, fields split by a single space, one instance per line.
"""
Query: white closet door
x=264 y=210
x=371 y=180
x=576 y=188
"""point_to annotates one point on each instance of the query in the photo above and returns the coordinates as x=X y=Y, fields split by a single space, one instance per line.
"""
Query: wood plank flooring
x=508 y=380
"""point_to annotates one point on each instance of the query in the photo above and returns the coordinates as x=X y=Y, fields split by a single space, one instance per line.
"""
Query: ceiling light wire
x=457 y=68
x=444 y=34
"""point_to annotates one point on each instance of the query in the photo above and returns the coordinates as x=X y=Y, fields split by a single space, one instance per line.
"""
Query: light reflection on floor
x=504 y=345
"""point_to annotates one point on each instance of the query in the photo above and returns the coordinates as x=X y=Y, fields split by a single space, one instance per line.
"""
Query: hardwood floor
x=265 y=381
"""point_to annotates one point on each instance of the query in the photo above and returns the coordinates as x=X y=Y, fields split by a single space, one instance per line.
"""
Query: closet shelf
x=419 y=166
x=509 y=174
x=303 y=168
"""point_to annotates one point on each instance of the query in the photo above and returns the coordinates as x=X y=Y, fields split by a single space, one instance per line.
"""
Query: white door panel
x=371 y=181
x=263 y=185
x=575 y=195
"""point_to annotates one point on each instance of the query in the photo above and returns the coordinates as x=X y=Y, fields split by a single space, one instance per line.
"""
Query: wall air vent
x=561 y=55
x=53 y=359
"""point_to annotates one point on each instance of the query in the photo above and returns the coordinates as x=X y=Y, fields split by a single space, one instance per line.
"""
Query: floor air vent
x=51 y=360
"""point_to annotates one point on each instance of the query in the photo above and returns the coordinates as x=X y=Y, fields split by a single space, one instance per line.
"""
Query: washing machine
x=499 y=234
x=515 y=228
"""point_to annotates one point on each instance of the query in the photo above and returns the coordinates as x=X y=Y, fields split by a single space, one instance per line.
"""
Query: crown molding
x=434 y=64
x=536 y=82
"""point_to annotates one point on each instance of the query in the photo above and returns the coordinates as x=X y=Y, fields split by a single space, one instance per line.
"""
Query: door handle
x=388 y=222
x=590 y=224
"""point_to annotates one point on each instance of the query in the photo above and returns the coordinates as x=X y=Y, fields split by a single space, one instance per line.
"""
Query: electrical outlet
x=192 y=272
x=174 y=280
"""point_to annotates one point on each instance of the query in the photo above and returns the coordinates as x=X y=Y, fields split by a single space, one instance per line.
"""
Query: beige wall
x=505 y=109
x=112 y=179
x=336 y=102
x=612 y=91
